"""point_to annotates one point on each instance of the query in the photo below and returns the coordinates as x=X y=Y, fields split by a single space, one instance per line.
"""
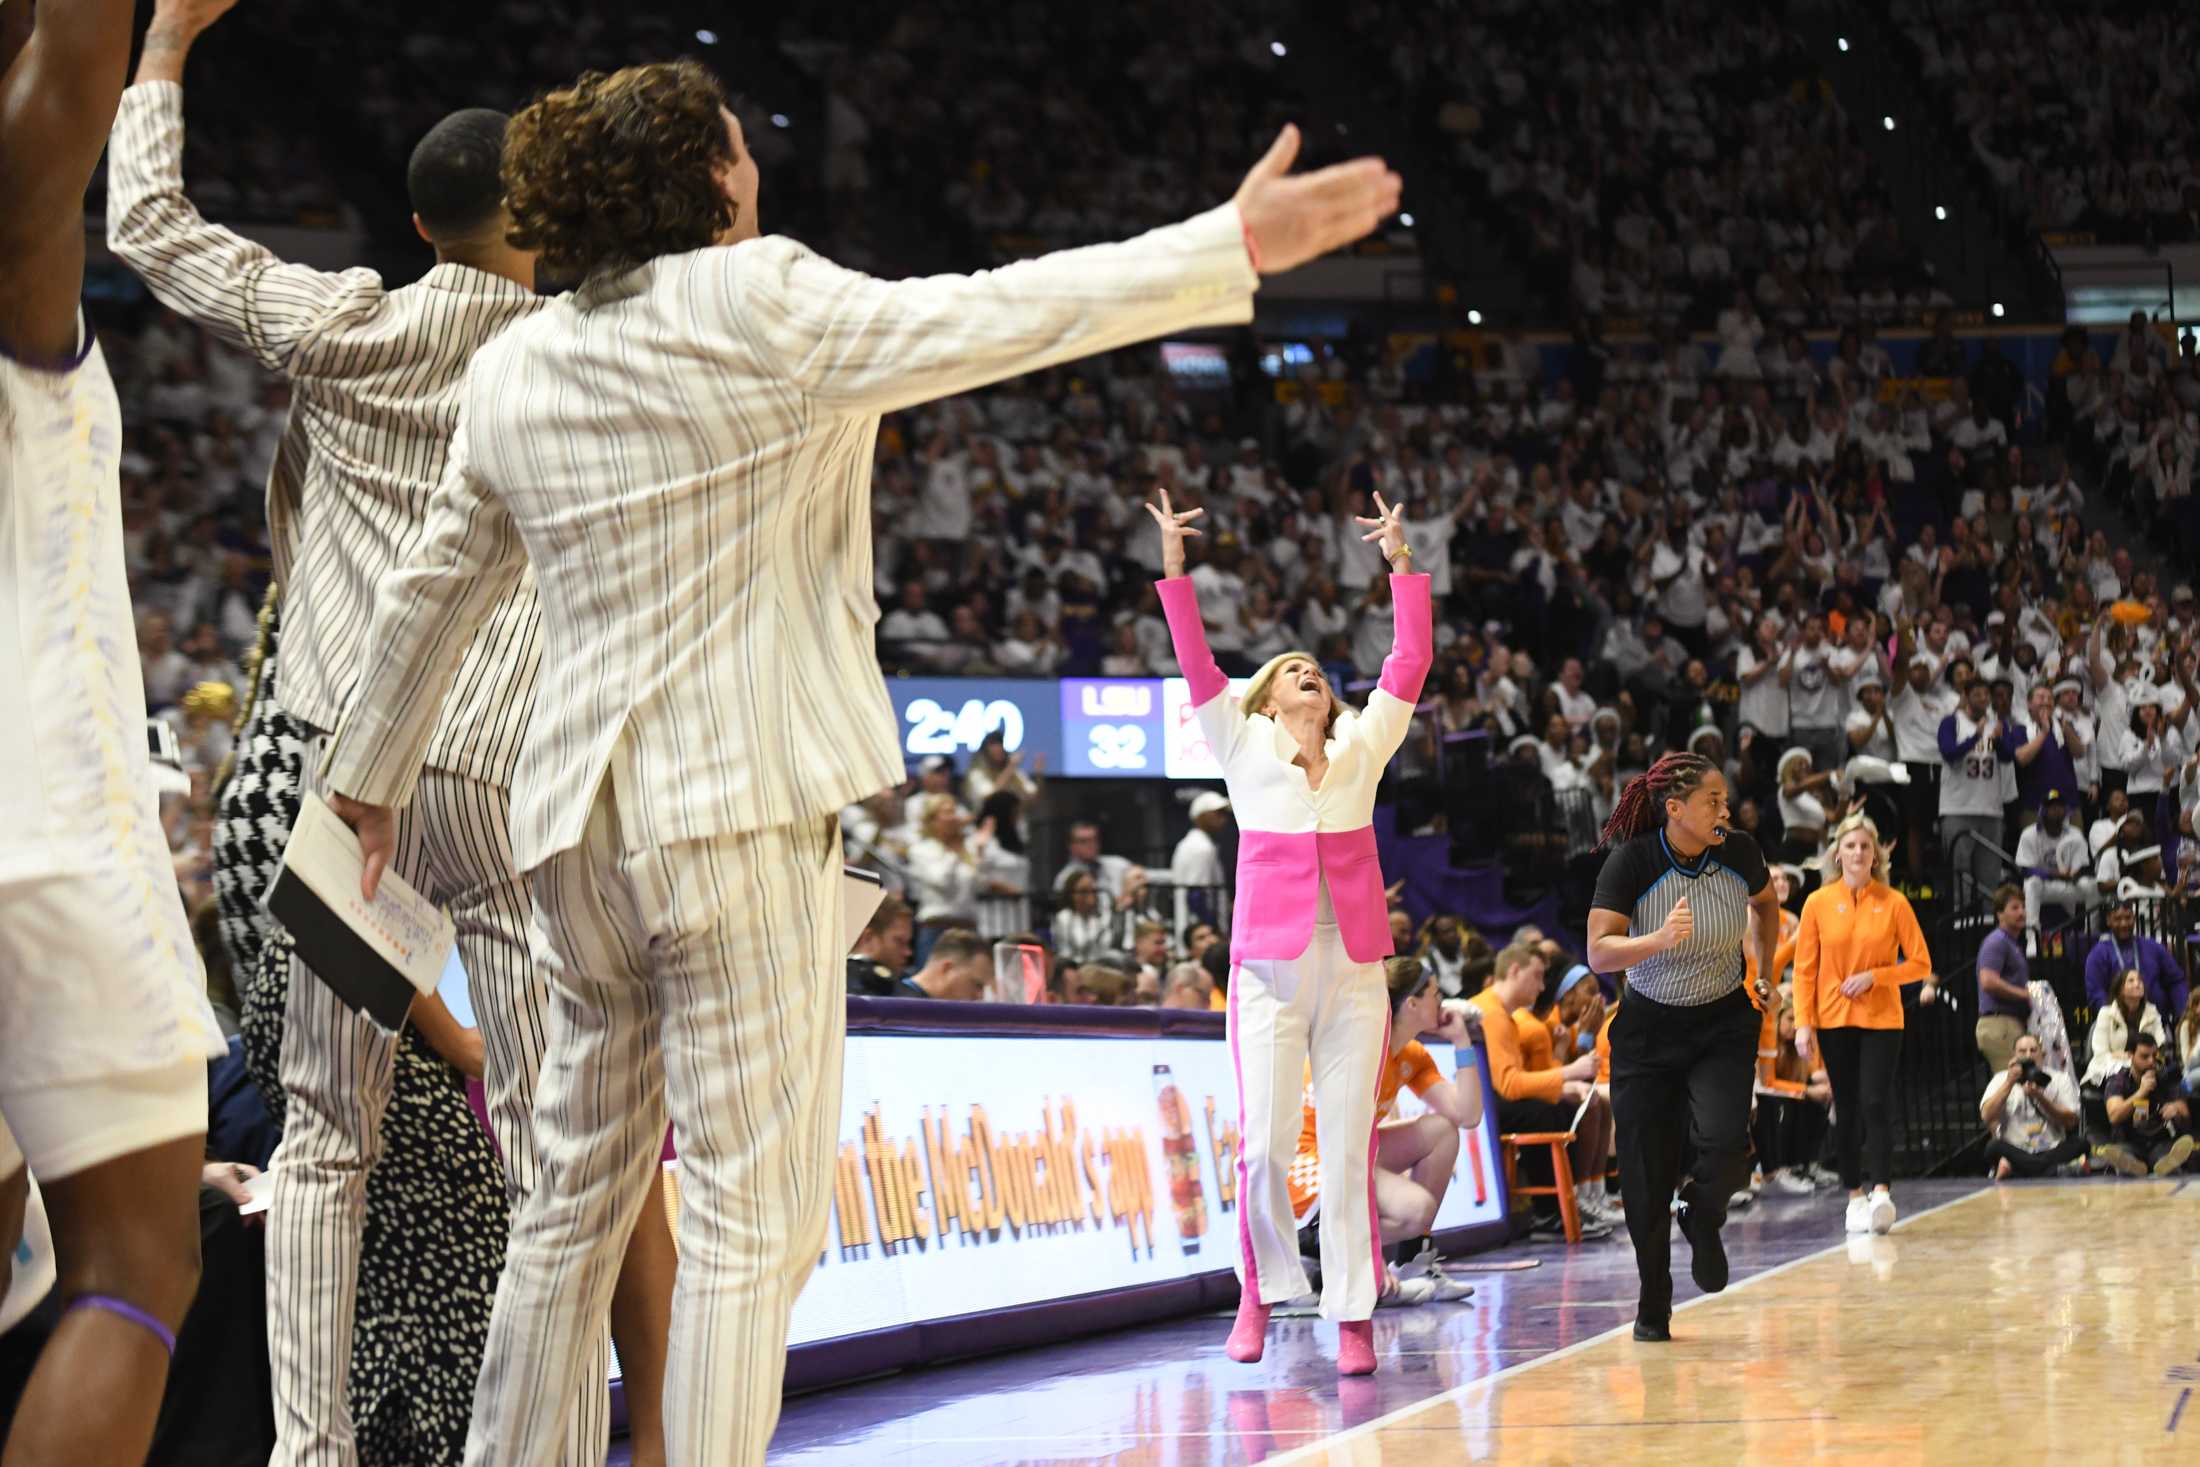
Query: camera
x=2031 y=1072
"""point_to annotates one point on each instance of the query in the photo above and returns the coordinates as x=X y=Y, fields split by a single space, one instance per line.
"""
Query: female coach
x=1308 y=935
x=1674 y=903
x=1859 y=942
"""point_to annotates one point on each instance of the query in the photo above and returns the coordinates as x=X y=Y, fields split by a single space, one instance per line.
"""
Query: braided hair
x=1642 y=803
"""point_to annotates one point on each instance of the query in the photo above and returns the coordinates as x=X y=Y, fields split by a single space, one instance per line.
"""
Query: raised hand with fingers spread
x=1389 y=533
x=1176 y=528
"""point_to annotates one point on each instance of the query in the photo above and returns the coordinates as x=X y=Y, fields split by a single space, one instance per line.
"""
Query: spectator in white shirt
x=1085 y=855
x=167 y=671
x=1575 y=705
x=1977 y=430
x=2056 y=861
x=2033 y=1112
x=914 y=627
x=1197 y=860
x=1764 y=696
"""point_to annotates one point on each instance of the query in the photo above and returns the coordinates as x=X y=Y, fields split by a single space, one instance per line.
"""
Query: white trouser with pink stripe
x=1323 y=1008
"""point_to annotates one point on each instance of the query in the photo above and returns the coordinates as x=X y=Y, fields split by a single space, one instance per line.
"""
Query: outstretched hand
x=1176 y=528
x=1292 y=218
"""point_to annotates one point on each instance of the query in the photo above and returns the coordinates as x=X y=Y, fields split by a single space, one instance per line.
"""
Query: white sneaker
x=1860 y=1215
x=1405 y=1293
x=1424 y=1264
x=1448 y=1289
x=1792 y=1182
x=1882 y=1212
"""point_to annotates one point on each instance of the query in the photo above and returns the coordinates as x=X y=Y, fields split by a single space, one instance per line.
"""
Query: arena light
x=1997 y=310
x=1887 y=123
x=1474 y=318
x=1940 y=211
x=1842 y=42
x=779 y=119
x=1278 y=48
x=708 y=38
x=1406 y=220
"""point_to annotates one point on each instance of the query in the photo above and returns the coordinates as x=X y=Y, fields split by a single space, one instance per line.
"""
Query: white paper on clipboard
x=1573 y=1127
x=860 y=894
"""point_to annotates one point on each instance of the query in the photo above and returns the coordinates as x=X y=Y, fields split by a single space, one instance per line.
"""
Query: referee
x=1672 y=906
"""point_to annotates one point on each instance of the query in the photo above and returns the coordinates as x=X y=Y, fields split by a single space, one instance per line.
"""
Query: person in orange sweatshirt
x=1530 y=1099
x=1858 y=943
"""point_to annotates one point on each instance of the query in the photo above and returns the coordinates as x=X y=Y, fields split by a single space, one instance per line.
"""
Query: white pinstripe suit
x=376 y=377
x=684 y=452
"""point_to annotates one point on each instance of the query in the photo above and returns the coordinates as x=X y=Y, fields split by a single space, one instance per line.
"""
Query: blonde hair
x=1830 y=862
x=1256 y=691
x=934 y=808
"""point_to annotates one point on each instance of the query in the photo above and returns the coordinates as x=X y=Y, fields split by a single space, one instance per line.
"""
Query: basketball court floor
x=2055 y=1323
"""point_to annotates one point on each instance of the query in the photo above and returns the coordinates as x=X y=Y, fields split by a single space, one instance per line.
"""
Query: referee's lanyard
x=1703 y=860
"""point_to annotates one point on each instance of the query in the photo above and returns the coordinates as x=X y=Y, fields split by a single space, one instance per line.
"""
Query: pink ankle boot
x=1249 y=1336
x=1356 y=1347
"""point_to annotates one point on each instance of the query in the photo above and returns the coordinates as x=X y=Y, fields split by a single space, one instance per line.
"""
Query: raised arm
x=1221 y=723
x=61 y=69
x=871 y=346
x=231 y=285
x=1389 y=713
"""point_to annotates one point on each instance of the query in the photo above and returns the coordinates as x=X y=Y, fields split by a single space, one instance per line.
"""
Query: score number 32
x=934 y=730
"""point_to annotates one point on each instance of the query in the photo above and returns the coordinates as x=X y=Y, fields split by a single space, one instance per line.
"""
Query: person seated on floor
x=1546 y=1099
x=2149 y=1118
x=960 y=967
x=2033 y=1113
x=1793 y=1098
x=1413 y=1158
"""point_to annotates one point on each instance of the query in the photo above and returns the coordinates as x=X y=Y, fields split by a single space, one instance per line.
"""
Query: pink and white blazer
x=1289 y=835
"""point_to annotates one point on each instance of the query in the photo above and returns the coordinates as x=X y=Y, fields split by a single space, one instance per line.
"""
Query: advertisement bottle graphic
x=1181 y=1154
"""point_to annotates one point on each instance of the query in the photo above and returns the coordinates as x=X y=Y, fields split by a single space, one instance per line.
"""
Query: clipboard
x=861 y=892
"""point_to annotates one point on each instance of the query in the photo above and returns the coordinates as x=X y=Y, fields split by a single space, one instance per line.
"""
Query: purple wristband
x=127 y=1311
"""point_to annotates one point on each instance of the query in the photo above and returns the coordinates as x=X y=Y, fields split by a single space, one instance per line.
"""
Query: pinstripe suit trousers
x=705 y=976
x=454 y=845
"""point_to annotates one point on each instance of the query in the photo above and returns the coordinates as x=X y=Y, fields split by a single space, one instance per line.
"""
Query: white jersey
x=76 y=789
x=1971 y=783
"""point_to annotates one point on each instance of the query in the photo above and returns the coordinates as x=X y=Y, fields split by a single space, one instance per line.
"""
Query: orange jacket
x=1782 y=956
x=1508 y=1076
x=1845 y=933
x=1537 y=1044
x=1604 y=1044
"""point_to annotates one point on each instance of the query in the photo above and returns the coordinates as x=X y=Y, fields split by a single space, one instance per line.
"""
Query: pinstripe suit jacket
x=684 y=452
x=375 y=377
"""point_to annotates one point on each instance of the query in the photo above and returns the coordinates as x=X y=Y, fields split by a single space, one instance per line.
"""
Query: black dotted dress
x=436 y=1215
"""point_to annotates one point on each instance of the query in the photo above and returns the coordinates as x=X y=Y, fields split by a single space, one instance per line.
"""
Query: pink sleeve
x=1180 y=604
x=1406 y=668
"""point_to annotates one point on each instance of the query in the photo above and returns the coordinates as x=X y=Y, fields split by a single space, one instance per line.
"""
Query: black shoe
x=1657 y=1331
x=1706 y=1253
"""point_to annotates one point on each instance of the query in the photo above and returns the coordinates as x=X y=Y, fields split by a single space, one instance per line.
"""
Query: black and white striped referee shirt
x=1643 y=880
x=375 y=377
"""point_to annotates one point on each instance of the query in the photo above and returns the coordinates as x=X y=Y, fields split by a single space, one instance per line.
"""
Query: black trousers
x=1860 y=1063
x=1680 y=1077
x=1789 y=1132
x=2024 y=1163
